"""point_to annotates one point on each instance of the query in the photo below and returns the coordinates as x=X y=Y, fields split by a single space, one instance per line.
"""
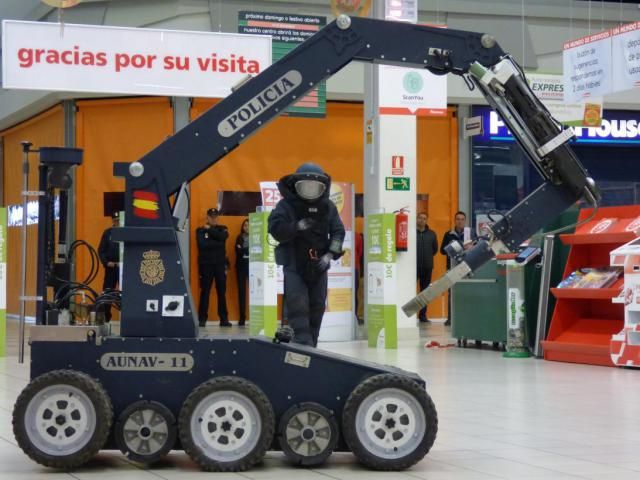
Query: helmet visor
x=310 y=189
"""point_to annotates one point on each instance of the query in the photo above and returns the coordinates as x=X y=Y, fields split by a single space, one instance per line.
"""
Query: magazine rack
x=584 y=320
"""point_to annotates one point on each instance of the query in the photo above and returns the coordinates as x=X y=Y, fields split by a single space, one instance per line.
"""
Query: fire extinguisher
x=402 y=229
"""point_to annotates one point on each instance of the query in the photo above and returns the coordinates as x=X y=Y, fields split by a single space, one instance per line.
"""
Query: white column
x=387 y=136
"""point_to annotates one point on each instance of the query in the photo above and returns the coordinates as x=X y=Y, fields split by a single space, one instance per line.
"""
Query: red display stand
x=585 y=319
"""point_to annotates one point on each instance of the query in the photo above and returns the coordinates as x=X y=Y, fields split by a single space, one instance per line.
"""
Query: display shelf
x=608 y=293
x=602 y=238
x=584 y=319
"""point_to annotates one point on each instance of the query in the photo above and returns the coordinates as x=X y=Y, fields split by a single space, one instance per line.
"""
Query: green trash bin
x=478 y=306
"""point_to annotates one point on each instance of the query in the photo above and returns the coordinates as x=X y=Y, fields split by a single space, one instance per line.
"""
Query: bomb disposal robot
x=225 y=401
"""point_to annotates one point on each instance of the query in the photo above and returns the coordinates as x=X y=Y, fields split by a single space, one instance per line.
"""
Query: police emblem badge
x=152 y=268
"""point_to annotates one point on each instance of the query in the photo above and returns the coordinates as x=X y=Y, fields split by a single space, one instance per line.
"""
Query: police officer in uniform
x=212 y=265
x=310 y=234
x=109 y=253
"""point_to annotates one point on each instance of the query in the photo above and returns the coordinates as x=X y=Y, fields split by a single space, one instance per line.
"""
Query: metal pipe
x=23 y=278
x=543 y=300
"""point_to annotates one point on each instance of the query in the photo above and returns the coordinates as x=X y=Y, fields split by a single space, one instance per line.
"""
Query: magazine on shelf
x=592 y=278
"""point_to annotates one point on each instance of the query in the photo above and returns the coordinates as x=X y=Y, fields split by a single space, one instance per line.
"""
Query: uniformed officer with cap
x=212 y=265
x=109 y=253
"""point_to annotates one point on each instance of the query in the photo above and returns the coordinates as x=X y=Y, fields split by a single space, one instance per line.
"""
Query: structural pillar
x=386 y=137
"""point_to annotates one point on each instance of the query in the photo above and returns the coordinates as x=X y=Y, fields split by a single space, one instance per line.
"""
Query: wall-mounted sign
x=397 y=183
x=397 y=165
x=143 y=61
x=288 y=31
x=359 y=8
x=401 y=10
x=619 y=127
x=586 y=67
x=472 y=126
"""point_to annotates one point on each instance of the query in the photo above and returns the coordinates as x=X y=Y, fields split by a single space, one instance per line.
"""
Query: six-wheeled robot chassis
x=225 y=401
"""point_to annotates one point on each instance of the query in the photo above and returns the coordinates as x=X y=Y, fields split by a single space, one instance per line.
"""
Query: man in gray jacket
x=427 y=246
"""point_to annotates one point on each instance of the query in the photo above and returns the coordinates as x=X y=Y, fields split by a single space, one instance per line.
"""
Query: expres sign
x=88 y=58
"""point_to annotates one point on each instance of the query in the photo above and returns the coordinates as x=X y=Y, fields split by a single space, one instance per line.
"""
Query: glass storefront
x=502 y=175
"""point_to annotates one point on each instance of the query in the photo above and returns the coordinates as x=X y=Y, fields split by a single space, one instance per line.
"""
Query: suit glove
x=324 y=263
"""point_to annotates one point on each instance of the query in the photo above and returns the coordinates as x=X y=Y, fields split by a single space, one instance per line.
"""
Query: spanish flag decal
x=145 y=204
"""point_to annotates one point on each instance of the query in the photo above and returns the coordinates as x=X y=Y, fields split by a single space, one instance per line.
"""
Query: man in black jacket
x=427 y=247
x=109 y=253
x=212 y=265
x=456 y=234
x=310 y=233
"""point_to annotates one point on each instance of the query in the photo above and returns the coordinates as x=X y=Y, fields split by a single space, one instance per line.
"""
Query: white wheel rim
x=226 y=425
x=390 y=423
x=60 y=420
x=308 y=433
x=145 y=432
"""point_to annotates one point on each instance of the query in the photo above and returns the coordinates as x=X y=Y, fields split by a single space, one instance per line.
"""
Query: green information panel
x=288 y=31
x=263 y=296
x=382 y=326
x=397 y=183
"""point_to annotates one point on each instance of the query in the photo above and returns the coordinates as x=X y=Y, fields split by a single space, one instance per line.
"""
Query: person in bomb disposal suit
x=109 y=253
x=212 y=265
x=310 y=233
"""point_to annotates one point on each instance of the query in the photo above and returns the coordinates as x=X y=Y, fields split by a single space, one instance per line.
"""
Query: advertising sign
x=380 y=255
x=141 y=61
x=586 y=66
x=618 y=127
x=549 y=88
x=3 y=281
x=338 y=320
x=407 y=91
x=626 y=56
x=289 y=30
x=263 y=296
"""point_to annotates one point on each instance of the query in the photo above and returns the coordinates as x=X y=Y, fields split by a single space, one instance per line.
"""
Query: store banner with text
x=140 y=61
x=626 y=56
x=549 y=88
x=263 y=296
x=3 y=281
x=586 y=67
x=338 y=320
x=382 y=323
x=288 y=30
x=270 y=197
x=407 y=91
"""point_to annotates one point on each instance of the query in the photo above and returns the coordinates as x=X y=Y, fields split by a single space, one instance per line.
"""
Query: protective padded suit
x=310 y=233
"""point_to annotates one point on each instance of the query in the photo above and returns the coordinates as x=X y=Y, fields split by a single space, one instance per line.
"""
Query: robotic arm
x=153 y=265
x=545 y=143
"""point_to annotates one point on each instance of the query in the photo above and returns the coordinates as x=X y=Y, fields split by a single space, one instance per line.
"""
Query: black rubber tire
x=262 y=404
x=101 y=403
x=301 y=460
x=360 y=393
x=172 y=433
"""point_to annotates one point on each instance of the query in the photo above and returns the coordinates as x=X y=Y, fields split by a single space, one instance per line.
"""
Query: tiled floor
x=521 y=419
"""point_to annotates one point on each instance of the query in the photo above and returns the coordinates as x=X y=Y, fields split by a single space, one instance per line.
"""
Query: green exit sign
x=398 y=183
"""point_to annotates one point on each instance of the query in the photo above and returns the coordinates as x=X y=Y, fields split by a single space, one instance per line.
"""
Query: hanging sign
x=626 y=56
x=141 y=61
x=549 y=88
x=407 y=91
x=472 y=126
x=586 y=66
x=288 y=30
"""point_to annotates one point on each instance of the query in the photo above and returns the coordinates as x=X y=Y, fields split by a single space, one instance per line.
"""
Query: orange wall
x=336 y=144
x=109 y=131
x=44 y=130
